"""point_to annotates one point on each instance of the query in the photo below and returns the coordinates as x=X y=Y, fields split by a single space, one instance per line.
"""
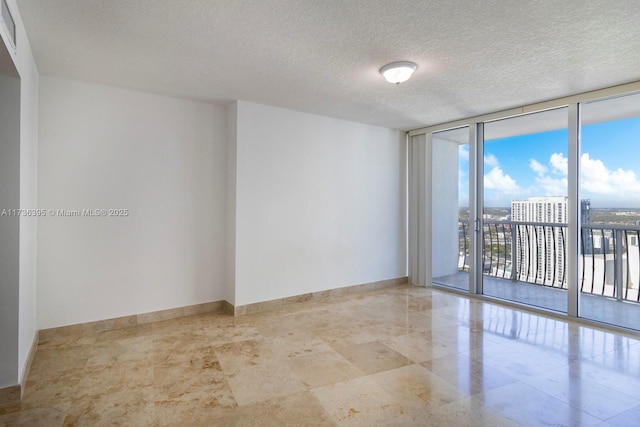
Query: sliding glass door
x=609 y=270
x=524 y=212
x=541 y=209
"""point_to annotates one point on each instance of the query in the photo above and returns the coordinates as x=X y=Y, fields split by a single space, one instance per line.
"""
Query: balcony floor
x=592 y=307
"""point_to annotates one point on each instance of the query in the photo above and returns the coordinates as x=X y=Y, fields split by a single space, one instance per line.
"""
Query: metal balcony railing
x=535 y=252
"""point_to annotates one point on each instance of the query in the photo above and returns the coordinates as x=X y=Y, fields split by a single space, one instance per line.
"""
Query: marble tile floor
x=399 y=356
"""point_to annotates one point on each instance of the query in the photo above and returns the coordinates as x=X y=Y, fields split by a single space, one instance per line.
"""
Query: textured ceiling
x=323 y=56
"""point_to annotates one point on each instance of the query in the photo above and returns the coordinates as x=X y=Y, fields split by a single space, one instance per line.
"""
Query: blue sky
x=536 y=165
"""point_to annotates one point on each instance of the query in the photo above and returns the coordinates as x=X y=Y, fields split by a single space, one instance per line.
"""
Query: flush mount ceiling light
x=398 y=72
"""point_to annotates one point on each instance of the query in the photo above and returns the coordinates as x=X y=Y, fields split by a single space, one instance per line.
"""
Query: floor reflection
x=402 y=356
x=593 y=307
x=590 y=374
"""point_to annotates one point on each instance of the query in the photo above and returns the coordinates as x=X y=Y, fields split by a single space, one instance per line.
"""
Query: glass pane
x=450 y=170
x=525 y=209
x=609 y=270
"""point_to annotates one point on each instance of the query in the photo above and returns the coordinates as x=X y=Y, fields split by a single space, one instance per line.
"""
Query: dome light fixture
x=398 y=72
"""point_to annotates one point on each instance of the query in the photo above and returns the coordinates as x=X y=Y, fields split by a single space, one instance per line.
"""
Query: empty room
x=319 y=213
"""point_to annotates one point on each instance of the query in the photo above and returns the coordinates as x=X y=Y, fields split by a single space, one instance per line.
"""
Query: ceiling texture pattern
x=323 y=56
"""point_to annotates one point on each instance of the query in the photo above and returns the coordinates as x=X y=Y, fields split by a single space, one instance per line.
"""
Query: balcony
x=526 y=262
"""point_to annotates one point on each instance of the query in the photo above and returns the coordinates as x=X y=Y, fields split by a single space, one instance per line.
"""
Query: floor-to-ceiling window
x=609 y=268
x=540 y=205
x=524 y=215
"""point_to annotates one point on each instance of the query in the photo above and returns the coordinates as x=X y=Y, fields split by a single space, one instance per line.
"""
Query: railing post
x=617 y=263
x=514 y=258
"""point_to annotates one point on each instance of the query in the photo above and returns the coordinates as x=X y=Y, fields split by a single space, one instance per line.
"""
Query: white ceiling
x=323 y=56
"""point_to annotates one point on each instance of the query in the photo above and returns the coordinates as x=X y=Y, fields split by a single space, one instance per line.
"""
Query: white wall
x=319 y=203
x=9 y=227
x=232 y=151
x=28 y=200
x=163 y=159
x=26 y=294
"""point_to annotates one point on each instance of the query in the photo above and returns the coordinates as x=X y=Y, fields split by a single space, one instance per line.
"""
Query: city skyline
x=519 y=167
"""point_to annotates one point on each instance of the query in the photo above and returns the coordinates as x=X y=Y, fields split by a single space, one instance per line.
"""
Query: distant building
x=585 y=211
x=592 y=243
x=540 y=209
x=540 y=250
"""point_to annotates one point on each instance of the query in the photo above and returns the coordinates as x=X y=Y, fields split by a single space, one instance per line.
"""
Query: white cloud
x=597 y=178
x=559 y=164
x=537 y=167
x=552 y=186
x=490 y=160
x=614 y=187
x=549 y=185
x=497 y=180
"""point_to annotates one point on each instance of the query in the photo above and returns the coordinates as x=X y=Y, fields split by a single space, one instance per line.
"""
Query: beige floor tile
x=297 y=410
x=264 y=382
x=57 y=388
x=231 y=333
x=416 y=346
x=361 y=401
x=416 y=387
x=386 y=326
x=120 y=350
x=297 y=343
x=235 y=356
x=468 y=373
x=469 y=412
x=179 y=347
x=176 y=380
x=420 y=303
x=373 y=357
x=380 y=313
x=197 y=398
x=51 y=361
x=10 y=408
x=274 y=326
x=124 y=407
x=421 y=321
x=113 y=378
x=399 y=356
x=327 y=367
x=49 y=415
x=193 y=412
x=197 y=391
x=340 y=330
x=456 y=338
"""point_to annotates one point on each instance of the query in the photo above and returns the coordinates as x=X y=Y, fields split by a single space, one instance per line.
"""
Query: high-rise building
x=540 y=209
x=585 y=211
x=540 y=249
